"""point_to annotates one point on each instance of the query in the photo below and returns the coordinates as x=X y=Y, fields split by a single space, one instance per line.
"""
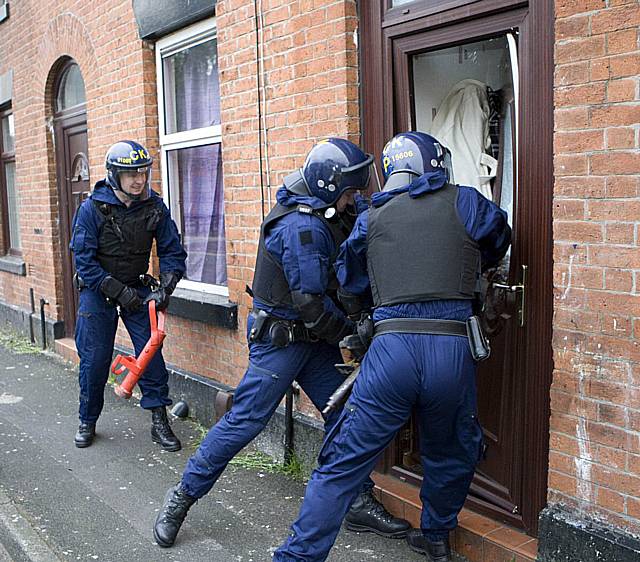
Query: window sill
x=4 y=12
x=14 y=265
x=215 y=310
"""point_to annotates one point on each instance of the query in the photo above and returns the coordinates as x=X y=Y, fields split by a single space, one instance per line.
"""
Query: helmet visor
x=377 y=186
x=135 y=182
x=357 y=177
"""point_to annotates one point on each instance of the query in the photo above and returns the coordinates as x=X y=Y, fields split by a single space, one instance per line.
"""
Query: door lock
x=521 y=289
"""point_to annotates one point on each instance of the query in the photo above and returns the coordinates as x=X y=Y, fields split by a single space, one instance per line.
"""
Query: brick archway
x=65 y=38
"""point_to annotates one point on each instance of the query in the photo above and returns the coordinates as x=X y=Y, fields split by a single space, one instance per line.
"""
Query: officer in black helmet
x=113 y=232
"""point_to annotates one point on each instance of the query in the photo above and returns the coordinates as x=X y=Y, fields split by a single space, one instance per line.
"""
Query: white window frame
x=4 y=10
x=185 y=38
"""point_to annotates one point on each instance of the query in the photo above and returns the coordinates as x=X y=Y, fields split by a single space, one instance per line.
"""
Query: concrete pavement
x=58 y=502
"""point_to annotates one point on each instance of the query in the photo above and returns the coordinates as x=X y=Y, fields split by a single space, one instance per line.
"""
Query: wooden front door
x=434 y=56
x=73 y=188
x=72 y=171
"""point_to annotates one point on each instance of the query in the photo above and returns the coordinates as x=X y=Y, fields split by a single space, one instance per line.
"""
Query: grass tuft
x=264 y=463
x=17 y=343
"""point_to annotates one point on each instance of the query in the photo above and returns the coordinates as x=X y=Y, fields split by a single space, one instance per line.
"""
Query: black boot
x=84 y=436
x=161 y=430
x=436 y=551
x=176 y=505
x=368 y=514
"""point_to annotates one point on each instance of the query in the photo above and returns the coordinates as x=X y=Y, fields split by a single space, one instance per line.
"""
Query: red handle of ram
x=134 y=367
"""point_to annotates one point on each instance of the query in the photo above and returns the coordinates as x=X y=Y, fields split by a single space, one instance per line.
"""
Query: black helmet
x=409 y=155
x=332 y=167
x=128 y=156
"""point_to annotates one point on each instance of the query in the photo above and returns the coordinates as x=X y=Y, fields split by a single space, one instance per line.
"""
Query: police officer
x=439 y=236
x=113 y=232
x=293 y=329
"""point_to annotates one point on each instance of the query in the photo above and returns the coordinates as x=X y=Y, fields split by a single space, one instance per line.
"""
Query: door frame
x=383 y=29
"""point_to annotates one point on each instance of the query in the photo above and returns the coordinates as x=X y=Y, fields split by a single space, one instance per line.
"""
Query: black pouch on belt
x=280 y=334
x=260 y=318
x=479 y=344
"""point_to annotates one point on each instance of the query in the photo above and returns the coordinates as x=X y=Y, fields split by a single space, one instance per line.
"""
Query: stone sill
x=215 y=310
x=13 y=264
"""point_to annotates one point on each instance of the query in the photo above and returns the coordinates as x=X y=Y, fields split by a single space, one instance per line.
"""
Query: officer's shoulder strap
x=108 y=213
x=310 y=211
x=276 y=213
x=335 y=228
x=305 y=209
x=102 y=207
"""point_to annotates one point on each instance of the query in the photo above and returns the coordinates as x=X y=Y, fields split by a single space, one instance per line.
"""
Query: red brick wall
x=595 y=397
x=310 y=91
x=111 y=58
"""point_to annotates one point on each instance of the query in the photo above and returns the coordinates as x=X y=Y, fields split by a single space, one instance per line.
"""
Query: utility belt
x=280 y=332
x=144 y=280
x=471 y=329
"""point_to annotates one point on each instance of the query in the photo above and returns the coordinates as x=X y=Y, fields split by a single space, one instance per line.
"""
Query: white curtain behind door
x=462 y=125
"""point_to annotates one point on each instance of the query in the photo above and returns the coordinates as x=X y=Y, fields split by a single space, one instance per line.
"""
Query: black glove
x=121 y=294
x=364 y=329
x=169 y=280
x=161 y=297
x=353 y=344
x=353 y=304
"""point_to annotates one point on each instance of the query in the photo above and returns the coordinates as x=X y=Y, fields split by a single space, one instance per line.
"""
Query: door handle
x=521 y=288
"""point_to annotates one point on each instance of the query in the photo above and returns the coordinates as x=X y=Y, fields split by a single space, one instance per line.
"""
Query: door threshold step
x=478 y=538
x=66 y=347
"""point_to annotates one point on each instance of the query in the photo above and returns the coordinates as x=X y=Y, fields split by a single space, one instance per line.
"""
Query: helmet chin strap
x=122 y=195
x=126 y=197
x=133 y=197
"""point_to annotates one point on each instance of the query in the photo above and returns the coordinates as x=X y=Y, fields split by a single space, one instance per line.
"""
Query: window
x=8 y=193
x=4 y=10
x=466 y=96
x=70 y=89
x=190 y=147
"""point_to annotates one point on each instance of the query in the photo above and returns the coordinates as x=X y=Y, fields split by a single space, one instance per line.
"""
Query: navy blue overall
x=304 y=246
x=98 y=319
x=400 y=372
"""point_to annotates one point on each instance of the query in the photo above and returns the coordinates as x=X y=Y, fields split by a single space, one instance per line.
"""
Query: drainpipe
x=43 y=325
x=263 y=147
x=32 y=336
x=288 y=425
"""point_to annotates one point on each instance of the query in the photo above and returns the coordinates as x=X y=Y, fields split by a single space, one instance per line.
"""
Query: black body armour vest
x=125 y=239
x=269 y=282
x=418 y=250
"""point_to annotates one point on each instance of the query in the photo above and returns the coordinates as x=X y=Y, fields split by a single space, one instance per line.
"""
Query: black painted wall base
x=208 y=400
x=564 y=537
x=21 y=320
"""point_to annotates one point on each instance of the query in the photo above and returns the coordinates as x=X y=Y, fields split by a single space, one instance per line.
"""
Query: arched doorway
x=72 y=169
